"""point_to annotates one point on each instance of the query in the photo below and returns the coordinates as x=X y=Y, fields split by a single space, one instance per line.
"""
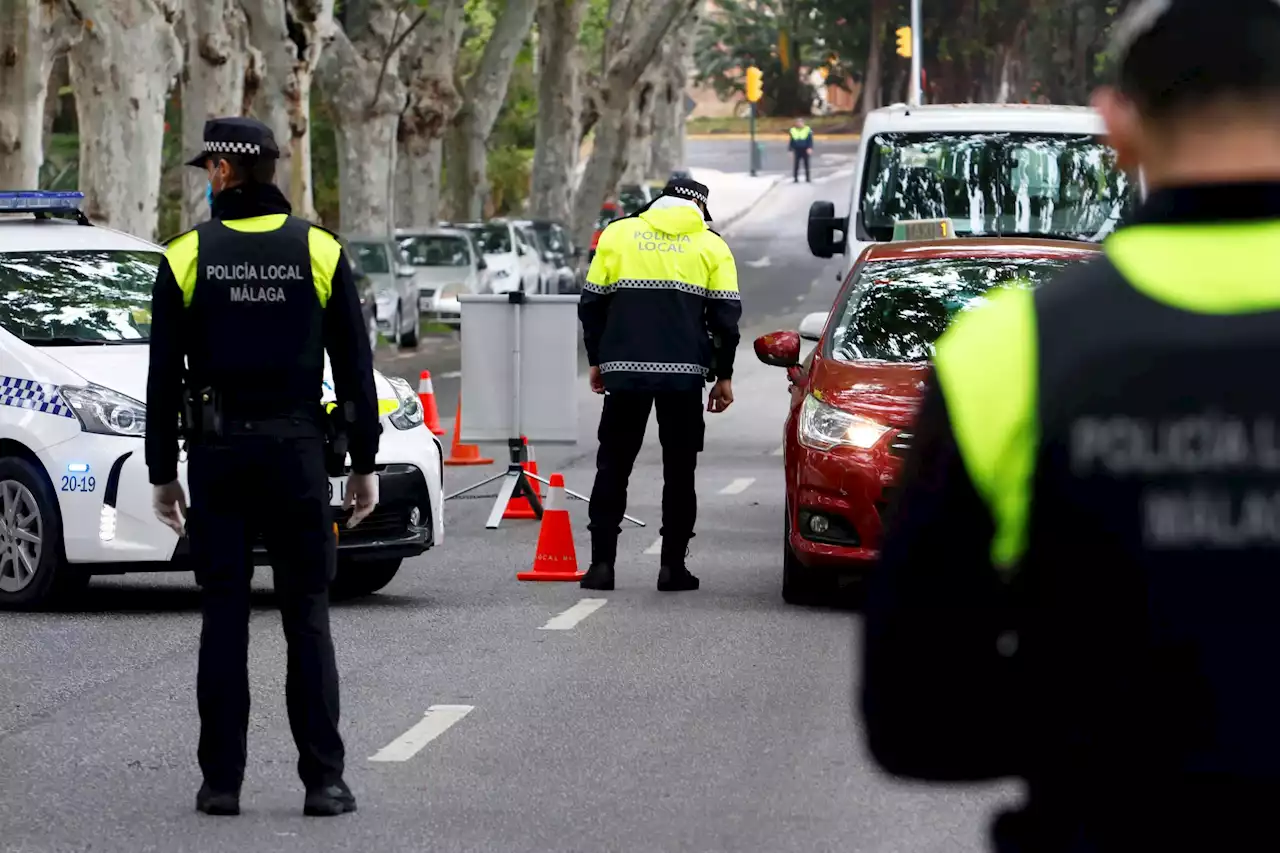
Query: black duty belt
x=287 y=427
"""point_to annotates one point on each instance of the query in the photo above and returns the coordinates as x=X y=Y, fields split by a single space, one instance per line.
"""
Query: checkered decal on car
x=33 y=395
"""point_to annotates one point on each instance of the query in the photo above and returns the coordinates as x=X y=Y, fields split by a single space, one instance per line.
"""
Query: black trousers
x=622 y=425
x=799 y=156
x=277 y=489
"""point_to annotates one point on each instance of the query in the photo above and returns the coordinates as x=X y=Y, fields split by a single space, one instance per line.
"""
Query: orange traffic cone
x=556 y=558
x=463 y=454
x=519 y=507
x=427 y=396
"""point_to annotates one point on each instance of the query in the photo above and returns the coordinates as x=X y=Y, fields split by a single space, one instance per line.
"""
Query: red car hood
x=883 y=391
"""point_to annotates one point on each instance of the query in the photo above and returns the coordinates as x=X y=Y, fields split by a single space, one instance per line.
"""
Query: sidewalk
x=733 y=194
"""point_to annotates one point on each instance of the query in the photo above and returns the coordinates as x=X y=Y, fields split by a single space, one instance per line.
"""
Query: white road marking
x=655 y=548
x=760 y=264
x=575 y=614
x=780 y=450
x=452 y=374
x=437 y=721
x=738 y=486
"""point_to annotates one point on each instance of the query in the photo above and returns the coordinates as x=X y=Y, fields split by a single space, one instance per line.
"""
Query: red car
x=854 y=397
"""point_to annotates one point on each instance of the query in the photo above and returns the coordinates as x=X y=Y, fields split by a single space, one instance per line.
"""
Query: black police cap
x=688 y=188
x=246 y=137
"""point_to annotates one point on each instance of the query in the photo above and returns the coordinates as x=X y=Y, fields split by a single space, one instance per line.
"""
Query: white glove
x=170 y=505
x=362 y=492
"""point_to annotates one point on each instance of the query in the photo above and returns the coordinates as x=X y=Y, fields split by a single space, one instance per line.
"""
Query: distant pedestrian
x=801 y=145
x=659 y=315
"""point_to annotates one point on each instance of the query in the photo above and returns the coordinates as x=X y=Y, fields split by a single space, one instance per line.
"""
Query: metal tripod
x=516 y=480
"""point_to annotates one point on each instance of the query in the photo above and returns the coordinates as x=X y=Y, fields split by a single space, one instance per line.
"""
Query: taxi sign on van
x=923 y=229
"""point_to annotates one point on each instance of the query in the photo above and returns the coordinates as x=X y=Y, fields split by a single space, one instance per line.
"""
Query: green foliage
x=777 y=36
x=510 y=170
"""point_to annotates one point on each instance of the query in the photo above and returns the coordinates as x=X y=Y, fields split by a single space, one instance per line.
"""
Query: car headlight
x=823 y=427
x=453 y=290
x=409 y=414
x=104 y=411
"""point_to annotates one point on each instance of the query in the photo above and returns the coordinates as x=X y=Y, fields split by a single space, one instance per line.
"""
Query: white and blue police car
x=75 y=499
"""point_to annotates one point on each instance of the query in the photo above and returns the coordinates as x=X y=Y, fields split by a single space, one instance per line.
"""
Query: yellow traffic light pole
x=755 y=89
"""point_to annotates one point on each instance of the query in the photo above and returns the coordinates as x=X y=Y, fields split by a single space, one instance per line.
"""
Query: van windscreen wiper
x=76 y=341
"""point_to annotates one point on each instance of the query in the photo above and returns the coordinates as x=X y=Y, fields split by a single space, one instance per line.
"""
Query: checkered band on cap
x=689 y=193
x=233 y=148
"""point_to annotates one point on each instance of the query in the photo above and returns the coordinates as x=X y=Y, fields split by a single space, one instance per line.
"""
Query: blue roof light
x=39 y=200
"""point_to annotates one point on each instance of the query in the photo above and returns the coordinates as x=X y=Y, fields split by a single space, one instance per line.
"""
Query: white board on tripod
x=548 y=389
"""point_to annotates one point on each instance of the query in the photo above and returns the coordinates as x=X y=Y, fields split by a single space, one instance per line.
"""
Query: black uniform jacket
x=1124 y=665
x=274 y=368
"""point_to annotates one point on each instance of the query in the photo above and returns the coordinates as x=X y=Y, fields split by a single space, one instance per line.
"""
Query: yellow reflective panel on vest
x=987 y=365
x=181 y=255
x=385 y=407
x=1222 y=268
x=668 y=247
x=800 y=132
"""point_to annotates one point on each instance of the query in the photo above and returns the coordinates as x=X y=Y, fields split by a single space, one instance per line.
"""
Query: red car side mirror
x=779 y=349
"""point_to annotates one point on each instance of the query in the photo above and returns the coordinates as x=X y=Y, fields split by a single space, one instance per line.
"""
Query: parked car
x=445 y=266
x=608 y=212
x=512 y=265
x=632 y=197
x=398 y=317
x=368 y=293
x=854 y=398
x=561 y=255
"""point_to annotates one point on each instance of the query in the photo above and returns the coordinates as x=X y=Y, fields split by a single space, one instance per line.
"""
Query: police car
x=75 y=499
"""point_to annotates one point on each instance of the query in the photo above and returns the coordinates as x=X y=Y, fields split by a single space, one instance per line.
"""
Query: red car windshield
x=896 y=310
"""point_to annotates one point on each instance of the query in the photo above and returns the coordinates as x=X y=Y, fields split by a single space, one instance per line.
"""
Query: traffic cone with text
x=556 y=558
x=519 y=507
x=427 y=396
x=463 y=454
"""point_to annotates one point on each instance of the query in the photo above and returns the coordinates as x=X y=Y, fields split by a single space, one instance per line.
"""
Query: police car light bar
x=40 y=201
x=923 y=229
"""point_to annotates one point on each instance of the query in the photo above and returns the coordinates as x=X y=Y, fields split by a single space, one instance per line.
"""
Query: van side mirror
x=823 y=225
x=404 y=271
x=482 y=264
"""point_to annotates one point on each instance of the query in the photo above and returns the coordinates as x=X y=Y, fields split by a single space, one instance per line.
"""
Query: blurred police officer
x=251 y=300
x=1080 y=583
x=659 y=308
x=801 y=146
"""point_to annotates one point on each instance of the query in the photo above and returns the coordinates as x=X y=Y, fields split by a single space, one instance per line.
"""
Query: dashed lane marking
x=738 y=486
x=655 y=548
x=779 y=450
x=575 y=614
x=452 y=374
x=437 y=721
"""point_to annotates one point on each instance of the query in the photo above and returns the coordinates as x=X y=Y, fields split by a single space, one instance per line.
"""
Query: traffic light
x=755 y=84
x=904 y=41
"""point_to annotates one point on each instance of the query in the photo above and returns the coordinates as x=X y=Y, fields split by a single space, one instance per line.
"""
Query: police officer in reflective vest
x=1079 y=584
x=659 y=313
x=251 y=300
x=801 y=145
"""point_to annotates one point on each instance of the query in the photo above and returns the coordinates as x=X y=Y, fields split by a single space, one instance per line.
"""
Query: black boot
x=674 y=577
x=598 y=577
x=219 y=803
x=329 y=801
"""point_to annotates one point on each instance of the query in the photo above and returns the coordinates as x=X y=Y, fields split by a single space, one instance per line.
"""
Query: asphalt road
x=717 y=720
x=733 y=155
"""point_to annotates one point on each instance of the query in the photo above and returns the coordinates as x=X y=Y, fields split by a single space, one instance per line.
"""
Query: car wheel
x=356 y=578
x=800 y=584
x=33 y=571
x=409 y=339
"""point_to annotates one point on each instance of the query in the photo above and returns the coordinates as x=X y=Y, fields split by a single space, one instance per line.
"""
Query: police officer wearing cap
x=659 y=314
x=251 y=300
x=1079 y=584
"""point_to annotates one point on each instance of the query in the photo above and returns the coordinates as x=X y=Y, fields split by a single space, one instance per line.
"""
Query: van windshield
x=995 y=184
x=74 y=297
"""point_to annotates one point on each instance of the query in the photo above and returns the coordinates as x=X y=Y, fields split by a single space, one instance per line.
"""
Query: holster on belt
x=336 y=440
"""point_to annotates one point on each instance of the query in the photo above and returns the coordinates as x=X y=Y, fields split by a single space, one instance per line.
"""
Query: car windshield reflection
x=51 y=298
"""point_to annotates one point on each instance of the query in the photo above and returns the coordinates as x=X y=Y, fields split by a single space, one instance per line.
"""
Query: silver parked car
x=445 y=266
x=395 y=294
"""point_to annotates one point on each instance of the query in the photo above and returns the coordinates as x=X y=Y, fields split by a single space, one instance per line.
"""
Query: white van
x=992 y=169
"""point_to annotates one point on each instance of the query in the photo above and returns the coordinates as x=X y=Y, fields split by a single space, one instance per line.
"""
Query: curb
x=770 y=137
x=726 y=224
